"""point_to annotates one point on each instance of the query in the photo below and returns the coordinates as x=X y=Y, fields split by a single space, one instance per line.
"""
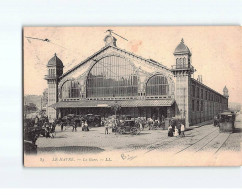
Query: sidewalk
x=199 y=125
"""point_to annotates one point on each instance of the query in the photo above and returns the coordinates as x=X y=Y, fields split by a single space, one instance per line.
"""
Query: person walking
x=47 y=129
x=140 y=125
x=106 y=126
x=62 y=125
x=179 y=128
x=150 y=123
x=86 y=126
x=36 y=121
x=182 y=130
x=170 y=131
x=176 y=134
x=74 y=126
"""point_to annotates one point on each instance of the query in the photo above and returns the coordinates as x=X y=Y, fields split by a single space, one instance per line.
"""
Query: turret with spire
x=226 y=92
x=55 y=70
x=182 y=71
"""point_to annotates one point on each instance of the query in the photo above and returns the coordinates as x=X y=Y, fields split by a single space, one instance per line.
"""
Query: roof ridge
x=123 y=50
x=147 y=60
x=82 y=62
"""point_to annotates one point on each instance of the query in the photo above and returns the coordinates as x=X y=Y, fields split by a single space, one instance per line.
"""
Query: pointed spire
x=55 y=54
x=182 y=40
x=225 y=88
x=226 y=92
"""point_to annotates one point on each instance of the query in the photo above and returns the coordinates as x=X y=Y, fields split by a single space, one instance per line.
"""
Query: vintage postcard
x=132 y=96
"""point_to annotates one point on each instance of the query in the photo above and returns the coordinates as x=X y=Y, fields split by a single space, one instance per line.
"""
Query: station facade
x=113 y=77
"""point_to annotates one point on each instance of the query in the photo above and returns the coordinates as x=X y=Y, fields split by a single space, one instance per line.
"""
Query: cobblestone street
x=201 y=139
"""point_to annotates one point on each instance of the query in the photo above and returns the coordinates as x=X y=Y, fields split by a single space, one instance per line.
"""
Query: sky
x=216 y=51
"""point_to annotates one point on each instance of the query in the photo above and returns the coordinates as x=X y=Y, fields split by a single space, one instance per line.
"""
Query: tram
x=226 y=121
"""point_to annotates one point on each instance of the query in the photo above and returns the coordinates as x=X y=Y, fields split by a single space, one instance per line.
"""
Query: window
x=70 y=89
x=201 y=93
x=112 y=77
x=157 y=85
x=201 y=105
x=198 y=92
x=198 y=105
x=184 y=61
x=193 y=105
x=193 y=91
x=206 y=95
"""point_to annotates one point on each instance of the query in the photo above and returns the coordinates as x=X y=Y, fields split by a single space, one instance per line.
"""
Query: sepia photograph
x=132 y=96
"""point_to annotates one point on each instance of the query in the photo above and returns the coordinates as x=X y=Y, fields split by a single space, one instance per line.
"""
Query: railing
x=50 y=77
x=182 y=66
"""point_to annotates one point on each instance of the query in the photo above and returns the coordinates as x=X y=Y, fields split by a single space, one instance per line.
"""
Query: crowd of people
x=176 y=130
x=110 y=125
x=48 y=125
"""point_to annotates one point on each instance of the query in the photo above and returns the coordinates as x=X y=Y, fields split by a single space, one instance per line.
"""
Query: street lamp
x=116 y=107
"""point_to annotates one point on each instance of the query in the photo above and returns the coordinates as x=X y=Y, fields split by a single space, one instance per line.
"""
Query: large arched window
x=70 y=89
x=112 y=77
x=157 y=85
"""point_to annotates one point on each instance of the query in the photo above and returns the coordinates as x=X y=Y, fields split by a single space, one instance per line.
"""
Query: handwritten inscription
x=127 y=157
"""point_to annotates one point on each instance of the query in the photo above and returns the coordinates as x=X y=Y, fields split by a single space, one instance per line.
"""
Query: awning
x=109 y=103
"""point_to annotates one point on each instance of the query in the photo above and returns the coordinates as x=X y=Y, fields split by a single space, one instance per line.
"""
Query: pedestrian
x=36 y=121
x=62 y=125
x=86 y=126
x=74 y=126
x=106 y=127
x=182 y=130
x=140 y=125
x=170 y=131
x=47 y=129
x=150 y=123
x=176 y=134
x=179 y=128
x=52 y=130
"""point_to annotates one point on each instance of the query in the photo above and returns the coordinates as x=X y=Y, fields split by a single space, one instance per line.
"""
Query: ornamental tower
x=55 y=70
x=226 y=92
x=182 y=71
x=110 y=39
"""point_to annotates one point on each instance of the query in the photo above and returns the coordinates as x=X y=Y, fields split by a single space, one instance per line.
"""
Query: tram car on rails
x=226 y=121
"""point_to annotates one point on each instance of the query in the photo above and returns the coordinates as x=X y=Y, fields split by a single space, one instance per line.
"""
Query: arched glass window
x=112 y=77
x=70 y=89
x=157 y=85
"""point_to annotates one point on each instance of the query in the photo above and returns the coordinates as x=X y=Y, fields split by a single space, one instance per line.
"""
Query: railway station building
x=140 y=87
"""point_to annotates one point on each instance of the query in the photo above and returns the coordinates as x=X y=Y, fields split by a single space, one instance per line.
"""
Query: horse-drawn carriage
x=127 y=127
x=93 y=120
x=72 y=120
